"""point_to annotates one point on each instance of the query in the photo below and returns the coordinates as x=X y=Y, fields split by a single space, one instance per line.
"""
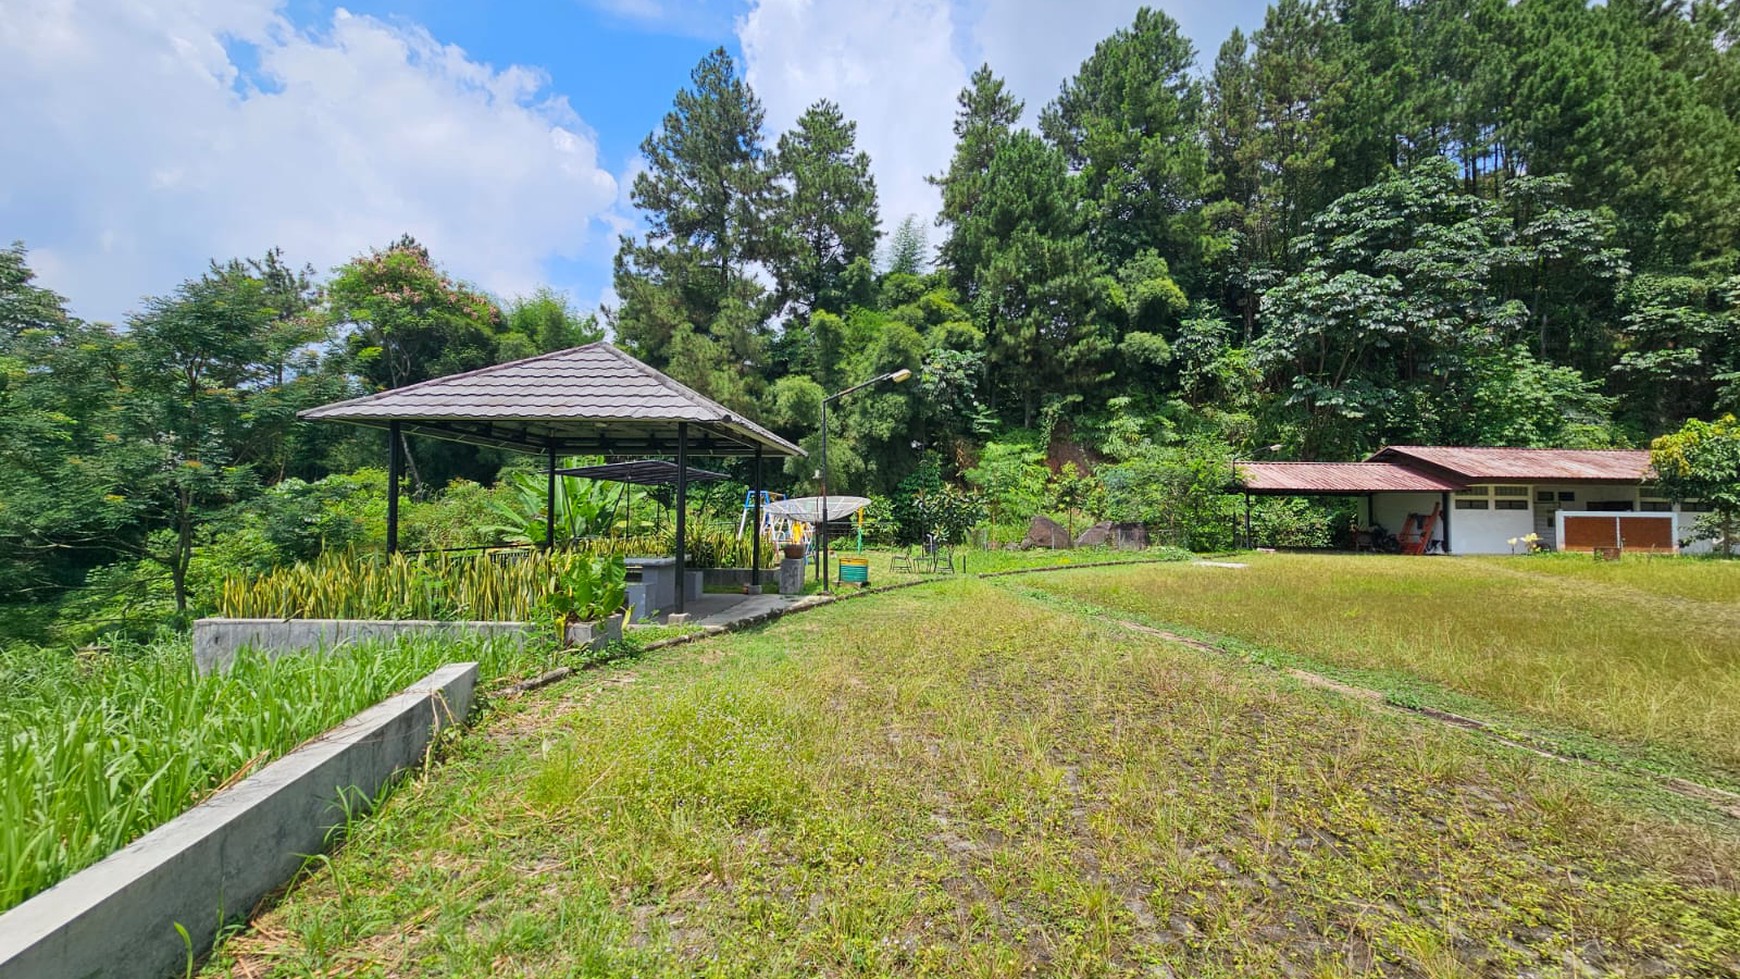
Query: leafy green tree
x=542 y=323
x=1011 y=476
x=1379 y=336
x=1072 y=491
x=828 y=214
x=24 y=306
x=1678 y=348
x=1129 y=123
x=58 y=378
x=1178 y=491
x=1520 y=401
x=1615 y=96
x=1298 y=81
x=690 y=297
x=193 y=361
x=1701 y=462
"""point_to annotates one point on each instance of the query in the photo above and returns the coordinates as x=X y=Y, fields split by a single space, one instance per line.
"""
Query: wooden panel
x=1588 y=533
x=1647 y=533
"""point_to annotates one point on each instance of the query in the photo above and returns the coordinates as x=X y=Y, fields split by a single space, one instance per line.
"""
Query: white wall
x=1488 y=531
x=1687 y=525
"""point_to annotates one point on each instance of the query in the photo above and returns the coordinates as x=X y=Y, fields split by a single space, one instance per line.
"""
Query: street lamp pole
x=897 y=377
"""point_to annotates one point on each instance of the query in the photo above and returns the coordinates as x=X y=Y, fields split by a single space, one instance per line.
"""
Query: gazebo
x=593 y=399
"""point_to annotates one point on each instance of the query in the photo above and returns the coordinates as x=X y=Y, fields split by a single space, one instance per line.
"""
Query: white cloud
x=897 y=66
x=1037 y=44
x=891 y=66
x=143 y=139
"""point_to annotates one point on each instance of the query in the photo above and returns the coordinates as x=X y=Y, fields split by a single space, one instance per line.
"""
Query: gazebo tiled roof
x=590 y=399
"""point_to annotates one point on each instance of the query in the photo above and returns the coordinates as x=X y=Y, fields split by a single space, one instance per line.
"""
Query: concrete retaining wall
x=216 y=641
x=736 y=577
x=214 y=863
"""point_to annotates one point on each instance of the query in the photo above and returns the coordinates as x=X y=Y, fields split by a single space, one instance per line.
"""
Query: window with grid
x=1475 y=498
x=1510 y=497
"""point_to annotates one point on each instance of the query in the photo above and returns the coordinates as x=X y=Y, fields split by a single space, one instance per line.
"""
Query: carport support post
x=395 y=470
x=550 y=504
x=1444 y=507
x=682 y=508
x=755 y=528
x=1247 y=520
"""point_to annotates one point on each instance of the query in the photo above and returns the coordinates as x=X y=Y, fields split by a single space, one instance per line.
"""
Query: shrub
x=499 y=586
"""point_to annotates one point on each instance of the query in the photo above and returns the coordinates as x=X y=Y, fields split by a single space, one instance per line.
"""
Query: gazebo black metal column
x=395 y=470
x=550 y=504
x=755 y=530
x=682 y=508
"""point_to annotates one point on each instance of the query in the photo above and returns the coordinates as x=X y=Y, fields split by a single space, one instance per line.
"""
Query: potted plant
x=586 y=598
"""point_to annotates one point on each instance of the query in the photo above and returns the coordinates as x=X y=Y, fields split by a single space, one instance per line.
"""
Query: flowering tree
x=408 y=320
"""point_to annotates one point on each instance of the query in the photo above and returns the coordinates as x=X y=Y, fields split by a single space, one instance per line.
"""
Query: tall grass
x=504 y=587
x=495 y=586
x=97 y=750
x=1644 y=651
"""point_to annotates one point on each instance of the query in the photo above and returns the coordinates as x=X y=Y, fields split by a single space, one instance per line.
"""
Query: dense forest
x=1368 y=222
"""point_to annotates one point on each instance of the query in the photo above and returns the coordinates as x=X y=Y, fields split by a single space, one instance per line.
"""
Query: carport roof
x=1338 y=479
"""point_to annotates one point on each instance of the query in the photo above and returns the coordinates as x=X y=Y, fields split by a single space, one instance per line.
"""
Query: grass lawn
x=1645 y=653
x=965 y=780
x=980 y=560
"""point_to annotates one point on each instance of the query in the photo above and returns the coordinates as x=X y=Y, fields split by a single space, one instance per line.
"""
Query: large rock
x=1043 y=531
x=1096 y=536
x=1109 y=534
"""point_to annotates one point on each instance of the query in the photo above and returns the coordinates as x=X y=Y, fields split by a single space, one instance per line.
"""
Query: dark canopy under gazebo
x=593 y=399
x=642 y=472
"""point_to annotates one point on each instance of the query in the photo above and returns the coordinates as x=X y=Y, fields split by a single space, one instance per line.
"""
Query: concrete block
x=791 y=576
x=216 y=641
x=594 y=635
x=214 y=863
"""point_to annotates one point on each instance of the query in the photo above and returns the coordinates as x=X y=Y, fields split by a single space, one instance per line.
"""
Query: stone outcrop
x=1043 y=531
x=1108 y=534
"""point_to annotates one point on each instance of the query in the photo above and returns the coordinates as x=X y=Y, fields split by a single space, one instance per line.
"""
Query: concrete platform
x=728 y=610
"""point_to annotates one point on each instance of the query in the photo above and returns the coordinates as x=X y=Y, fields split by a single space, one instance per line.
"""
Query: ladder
x=1412 y=544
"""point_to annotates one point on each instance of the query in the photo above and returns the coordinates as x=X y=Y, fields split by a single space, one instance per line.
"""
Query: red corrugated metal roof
x=1305 y=478
x=1536 y=465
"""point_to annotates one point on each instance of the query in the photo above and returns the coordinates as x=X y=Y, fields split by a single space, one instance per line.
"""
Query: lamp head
x=900 y=375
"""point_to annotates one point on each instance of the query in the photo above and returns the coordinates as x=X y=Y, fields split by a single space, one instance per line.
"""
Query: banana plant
x=584 y=508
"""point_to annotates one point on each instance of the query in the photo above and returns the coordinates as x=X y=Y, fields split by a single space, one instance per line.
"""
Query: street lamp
x=896 y=377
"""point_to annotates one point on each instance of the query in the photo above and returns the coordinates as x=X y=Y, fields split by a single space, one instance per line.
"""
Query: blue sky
x=145 y=139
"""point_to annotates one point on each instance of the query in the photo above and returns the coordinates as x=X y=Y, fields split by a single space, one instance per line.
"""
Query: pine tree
x=986 y=117
x=829 y=219
x=908 y=249
x=1129 y=123
x=1037 y=288
x=708 y=196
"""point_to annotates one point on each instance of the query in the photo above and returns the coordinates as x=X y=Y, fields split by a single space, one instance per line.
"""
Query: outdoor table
x=658 y=584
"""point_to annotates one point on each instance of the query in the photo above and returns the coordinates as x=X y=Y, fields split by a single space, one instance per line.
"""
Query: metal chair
x=903 y=562
x=943 y=559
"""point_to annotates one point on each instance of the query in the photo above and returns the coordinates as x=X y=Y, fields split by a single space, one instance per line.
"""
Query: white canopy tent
x=808 y=509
